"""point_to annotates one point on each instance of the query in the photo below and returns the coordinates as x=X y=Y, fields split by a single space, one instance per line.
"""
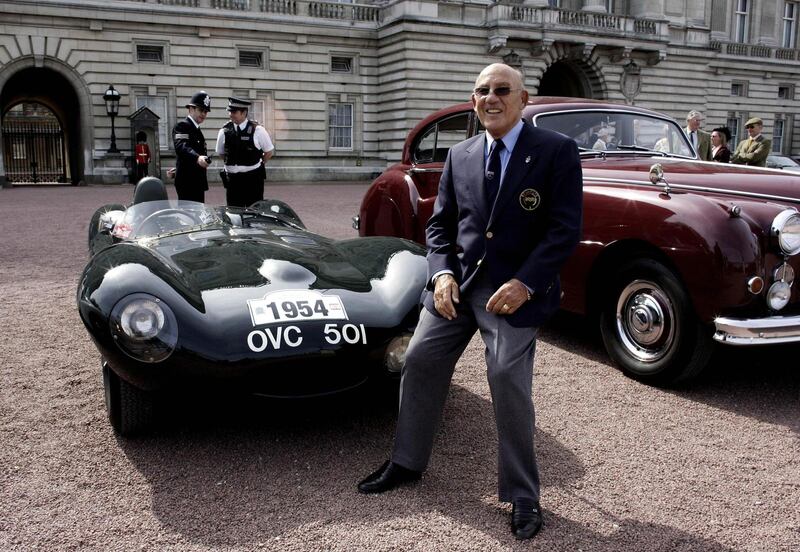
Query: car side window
x=435 y=141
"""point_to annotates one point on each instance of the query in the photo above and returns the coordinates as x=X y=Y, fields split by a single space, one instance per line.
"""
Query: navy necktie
x=491 y=179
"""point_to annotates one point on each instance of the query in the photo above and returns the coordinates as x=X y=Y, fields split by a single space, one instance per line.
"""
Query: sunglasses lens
x=484 y=91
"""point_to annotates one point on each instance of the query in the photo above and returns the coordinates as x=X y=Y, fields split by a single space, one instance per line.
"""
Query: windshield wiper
x=634 y=147
x=600 y=153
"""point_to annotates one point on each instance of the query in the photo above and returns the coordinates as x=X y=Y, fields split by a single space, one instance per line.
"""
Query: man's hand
x=202 y=160
x=506 y=300
x=445 y=295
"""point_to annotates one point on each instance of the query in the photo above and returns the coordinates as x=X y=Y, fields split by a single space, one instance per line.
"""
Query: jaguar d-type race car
x=179 y=294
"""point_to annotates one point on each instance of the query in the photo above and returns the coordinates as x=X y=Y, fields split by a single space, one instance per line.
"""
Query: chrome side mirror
x=109 y=220
x=657 y=176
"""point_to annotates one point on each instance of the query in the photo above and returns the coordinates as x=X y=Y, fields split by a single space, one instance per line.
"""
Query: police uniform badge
x=530 y=199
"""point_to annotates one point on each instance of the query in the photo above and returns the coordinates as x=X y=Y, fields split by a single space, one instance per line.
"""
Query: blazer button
x=479 y=262
x=489 y=235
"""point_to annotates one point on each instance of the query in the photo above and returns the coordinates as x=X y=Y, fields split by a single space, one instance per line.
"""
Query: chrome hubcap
x=645 y=321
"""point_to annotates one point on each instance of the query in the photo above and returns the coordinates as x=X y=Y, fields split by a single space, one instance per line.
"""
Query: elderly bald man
x=507 y=217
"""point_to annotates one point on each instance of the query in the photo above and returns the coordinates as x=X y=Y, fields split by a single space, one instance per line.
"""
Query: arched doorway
x=563 y=78
x=35 y=149
x=40 y=117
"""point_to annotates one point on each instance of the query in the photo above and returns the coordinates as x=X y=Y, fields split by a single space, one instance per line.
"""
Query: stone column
x=647 y=9
x=598 y=6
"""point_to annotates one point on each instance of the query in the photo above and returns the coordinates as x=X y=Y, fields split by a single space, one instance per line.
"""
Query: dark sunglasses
x=483 y=91
x=750 y=126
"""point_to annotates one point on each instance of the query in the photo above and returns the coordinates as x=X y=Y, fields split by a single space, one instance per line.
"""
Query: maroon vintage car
x=676 y=253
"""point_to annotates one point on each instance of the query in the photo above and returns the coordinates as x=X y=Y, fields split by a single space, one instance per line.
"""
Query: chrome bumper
x=757 y=331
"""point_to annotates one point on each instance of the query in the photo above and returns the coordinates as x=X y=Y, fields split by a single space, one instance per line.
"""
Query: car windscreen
x=155 y=218
x=781 y=161
x=614 y=130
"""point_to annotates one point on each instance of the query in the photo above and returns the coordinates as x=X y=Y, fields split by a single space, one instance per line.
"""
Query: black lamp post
x=111 y=98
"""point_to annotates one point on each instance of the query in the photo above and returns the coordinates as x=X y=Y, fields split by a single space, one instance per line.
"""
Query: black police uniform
x=191 y=181
x=243 y=188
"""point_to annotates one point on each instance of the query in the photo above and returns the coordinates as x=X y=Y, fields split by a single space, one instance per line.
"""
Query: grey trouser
x=430 y=360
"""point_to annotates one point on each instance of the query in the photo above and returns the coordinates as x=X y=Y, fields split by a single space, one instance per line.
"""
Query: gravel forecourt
x=625 y=467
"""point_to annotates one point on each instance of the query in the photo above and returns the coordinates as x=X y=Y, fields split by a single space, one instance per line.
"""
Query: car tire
x=649 y=328
x=129 y=409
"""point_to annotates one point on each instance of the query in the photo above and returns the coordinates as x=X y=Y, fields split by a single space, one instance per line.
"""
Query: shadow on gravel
x=577 y=334
x=241 y=472
x=758 y=382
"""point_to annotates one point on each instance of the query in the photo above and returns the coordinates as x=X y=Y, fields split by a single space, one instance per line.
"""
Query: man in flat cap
x=700 y=140
x=246 y=147
x=190 y=150
x=755 y=149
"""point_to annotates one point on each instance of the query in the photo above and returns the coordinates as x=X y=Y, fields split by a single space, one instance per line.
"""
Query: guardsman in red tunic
x=142 y=156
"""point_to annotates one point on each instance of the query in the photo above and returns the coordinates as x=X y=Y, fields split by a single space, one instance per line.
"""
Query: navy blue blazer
x=189 y=144
x=529 y=234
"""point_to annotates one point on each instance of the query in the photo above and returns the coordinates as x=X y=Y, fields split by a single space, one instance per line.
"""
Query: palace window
x=738 y=88
x=742 y=20
x=733 y=124
x=778 y=129
x=149 y=53
x=341 y=64
x=789 y=24
x=785 y=91
x=252 y=58
x=340 y=126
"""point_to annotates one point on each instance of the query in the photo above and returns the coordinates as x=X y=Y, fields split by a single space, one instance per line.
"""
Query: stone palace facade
x=338 y=85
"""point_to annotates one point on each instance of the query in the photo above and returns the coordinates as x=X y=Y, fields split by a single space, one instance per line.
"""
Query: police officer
x=192 y=160
x=246 y=147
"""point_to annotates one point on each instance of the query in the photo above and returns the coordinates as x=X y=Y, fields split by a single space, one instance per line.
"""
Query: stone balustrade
x=741 y=49
x=555 y=19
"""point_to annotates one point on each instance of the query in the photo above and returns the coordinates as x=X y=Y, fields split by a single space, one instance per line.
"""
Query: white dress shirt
x=261 y=140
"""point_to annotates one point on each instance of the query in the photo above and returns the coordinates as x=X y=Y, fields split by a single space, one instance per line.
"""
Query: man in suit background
x=190 y=150
x=755 y=149
x=507 y=217
x=700 y=140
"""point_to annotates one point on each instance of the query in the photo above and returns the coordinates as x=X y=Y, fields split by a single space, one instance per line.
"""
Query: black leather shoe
x=388 y=476
x=526 y=518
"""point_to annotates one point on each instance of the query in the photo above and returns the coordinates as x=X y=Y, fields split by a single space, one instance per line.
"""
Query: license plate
x=295 y=306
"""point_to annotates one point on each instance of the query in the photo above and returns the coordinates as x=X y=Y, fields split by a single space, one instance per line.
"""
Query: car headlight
x=778 y=295
x=396 y=353
x=786 y=228
x=144 y=327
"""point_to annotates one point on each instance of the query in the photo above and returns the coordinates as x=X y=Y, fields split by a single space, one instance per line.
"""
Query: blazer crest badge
x=530 y=199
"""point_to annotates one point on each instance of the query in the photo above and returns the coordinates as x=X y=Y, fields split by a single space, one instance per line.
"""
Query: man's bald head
x=498 y=98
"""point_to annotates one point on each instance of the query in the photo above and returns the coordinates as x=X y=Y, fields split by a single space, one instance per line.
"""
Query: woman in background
x=719 y=145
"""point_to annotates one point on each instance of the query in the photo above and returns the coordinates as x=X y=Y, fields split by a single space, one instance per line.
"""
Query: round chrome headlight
x=144 y=327
x=778 y=295
x=786 y=228
x=142 y=319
